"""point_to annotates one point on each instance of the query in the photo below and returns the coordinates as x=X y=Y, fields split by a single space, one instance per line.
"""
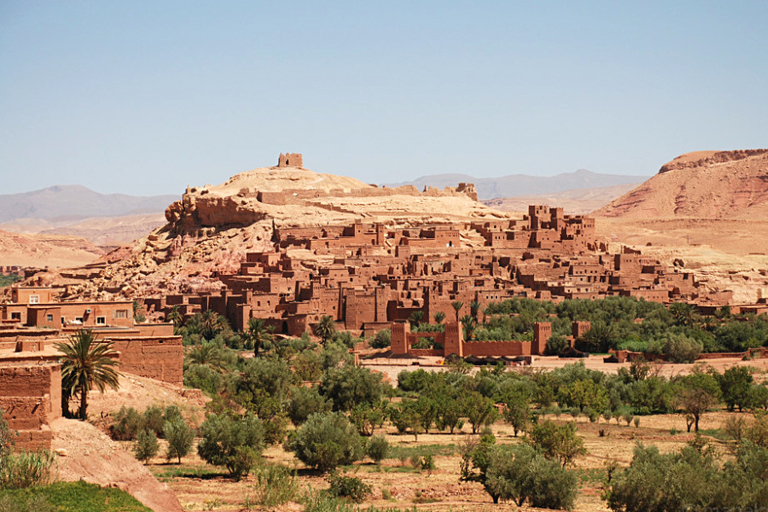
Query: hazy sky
x=147 y=97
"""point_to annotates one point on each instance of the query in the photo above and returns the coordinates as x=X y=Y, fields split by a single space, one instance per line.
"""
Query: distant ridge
x=77 y=202
x=515 y=185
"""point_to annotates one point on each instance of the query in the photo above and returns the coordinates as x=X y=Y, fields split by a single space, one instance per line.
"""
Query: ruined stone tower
x=290 y=160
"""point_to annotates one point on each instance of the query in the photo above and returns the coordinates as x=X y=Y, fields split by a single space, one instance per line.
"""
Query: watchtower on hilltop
x=290 y=160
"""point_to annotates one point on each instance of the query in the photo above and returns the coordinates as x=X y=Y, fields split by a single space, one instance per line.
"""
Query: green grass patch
x=434 y=450
x=69 y=497
x=591 y=476
x=717 y=433
x=165 y=474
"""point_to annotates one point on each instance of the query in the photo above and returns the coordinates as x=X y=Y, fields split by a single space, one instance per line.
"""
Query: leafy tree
x=517 y=411
x=557 y=442
x=404 y=416
x=599 y=338
x=325 y=328
x=325 y=441
x=681 y=348
x=584 y=394
x=519 y=474
x=696 y=394
x=146 y=446
x=258 y=334
x=735 y=384
x=351 y=385
x=179 y=436
x=235 y=443
x=306 y=402
x=480 y=410
x=556 y=345
x=86 y=364
x=366 y=417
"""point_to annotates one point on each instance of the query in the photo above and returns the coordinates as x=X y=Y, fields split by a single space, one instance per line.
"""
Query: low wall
x=497 y=348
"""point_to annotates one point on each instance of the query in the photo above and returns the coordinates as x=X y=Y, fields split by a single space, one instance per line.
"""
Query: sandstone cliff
x=705 y=184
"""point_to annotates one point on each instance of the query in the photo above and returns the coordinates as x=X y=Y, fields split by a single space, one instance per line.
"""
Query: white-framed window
x=34 y=299
x=101 y=320
x=49 y=318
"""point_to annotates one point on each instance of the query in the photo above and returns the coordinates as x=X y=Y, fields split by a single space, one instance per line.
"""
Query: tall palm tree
x=207 y=353
x=457 y=305
x=258 y=333
x=175 y=316
x=86 y=363
x=326 y=328
x=474 y=308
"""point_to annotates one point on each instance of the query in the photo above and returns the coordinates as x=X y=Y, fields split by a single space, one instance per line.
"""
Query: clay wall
x=497 y=348
x=31 y=398
x=154 y=357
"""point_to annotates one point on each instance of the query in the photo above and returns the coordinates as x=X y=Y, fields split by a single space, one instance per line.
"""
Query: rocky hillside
x=212 y=228
x=705 y=184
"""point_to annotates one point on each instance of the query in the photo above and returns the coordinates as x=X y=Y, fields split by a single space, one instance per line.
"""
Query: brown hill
x=704 y=184
x=103 y=231
x=211 y=228
x=46 y=250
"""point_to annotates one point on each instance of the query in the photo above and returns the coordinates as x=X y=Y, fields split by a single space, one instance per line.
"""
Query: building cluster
x=30 y=372
x=367 y=275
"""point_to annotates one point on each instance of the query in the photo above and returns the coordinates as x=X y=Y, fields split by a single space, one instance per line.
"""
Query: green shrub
x=323 y=502
x=25 y=469
x=383 y=339
x=349 y=487
x=377 y=448
x=325 y=441
x=275 y=485
x=179 y=436
x=235 y=443
x=153 y=420
x=127 y=424
x=146 y=446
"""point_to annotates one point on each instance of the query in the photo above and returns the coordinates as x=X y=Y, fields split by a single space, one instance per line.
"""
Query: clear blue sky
x=147 y=97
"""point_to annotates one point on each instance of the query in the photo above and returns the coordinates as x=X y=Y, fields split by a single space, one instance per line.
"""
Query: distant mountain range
x=515 y=185
x=73 y=202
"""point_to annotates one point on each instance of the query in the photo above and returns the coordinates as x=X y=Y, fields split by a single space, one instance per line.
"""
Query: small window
x=49 y=318
x=34 y=299
x=121 y=313
x=79 y=319
x=16 y=316
x=101 y=320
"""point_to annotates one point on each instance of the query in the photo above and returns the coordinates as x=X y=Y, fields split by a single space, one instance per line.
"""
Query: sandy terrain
x=46 y=250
